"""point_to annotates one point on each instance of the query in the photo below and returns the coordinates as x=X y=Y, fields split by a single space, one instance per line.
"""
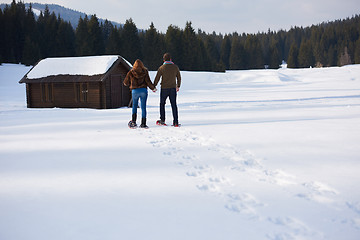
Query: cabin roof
x=73 y=69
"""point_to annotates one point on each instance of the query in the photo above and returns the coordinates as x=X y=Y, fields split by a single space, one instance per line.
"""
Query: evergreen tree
x=82 y=37
x=95 y=38
x=332 y=56
x=48 y=26
x=114 y=42
x=203 y=58
x=357 y=52
x=106 y=29
x=191 y=49
x=327 y=42
x=254 y=52
x=225 y=51
x=306 y=57
x=213 y=53
x=2 y=33
x=274 y=58
x=65 y=39
x=237 y=55
x=292 y=60
x=293 y=36
x=153 y=48
x=131 y=46
x=318 y=49
x=15 y=31
x=274 y=61
x=174 y=44
x=31 y=52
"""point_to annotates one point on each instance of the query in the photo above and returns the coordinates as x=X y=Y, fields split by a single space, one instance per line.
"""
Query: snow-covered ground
x=265 y=154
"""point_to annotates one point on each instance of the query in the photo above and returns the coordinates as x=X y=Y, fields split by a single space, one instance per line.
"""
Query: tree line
x=26 y=39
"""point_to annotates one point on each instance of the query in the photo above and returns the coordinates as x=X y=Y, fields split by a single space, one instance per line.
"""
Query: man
x=170 y=85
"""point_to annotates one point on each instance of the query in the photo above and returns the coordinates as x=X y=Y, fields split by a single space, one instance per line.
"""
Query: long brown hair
x=138 y=65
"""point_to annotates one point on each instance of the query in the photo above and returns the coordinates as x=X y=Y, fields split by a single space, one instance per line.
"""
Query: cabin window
x=46 y=92
x=81 y=92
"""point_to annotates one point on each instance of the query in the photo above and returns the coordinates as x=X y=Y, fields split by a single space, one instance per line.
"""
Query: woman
x=138 y=80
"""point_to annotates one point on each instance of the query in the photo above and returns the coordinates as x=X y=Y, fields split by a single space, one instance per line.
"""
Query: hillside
x=66 y=14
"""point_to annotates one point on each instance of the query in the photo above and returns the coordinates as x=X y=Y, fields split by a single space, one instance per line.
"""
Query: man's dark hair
x=167 y=57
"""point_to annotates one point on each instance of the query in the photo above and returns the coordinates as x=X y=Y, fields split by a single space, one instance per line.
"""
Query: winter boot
x=143 y=123
x=132 y=123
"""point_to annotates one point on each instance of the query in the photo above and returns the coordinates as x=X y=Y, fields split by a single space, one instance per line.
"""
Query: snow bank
x=90 y=66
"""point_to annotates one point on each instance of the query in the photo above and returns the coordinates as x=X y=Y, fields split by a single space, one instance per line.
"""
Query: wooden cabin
x=78 y=82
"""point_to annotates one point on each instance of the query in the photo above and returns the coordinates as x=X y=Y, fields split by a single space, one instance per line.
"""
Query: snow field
x=261 y=154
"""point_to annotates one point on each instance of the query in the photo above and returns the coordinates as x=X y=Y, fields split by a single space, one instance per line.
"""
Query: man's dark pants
x=164 y=94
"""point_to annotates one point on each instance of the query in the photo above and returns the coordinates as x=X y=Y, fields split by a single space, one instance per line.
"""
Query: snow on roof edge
x=88 y=66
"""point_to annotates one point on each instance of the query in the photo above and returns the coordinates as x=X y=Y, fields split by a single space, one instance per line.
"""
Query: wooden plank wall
x=125 y=94
x=66 y=95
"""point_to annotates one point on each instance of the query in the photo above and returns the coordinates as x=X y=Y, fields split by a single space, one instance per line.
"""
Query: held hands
x=155 y=89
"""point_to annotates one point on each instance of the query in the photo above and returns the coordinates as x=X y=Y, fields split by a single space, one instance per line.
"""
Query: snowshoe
x=132 y=125
x=160 y=123
x=176 y=125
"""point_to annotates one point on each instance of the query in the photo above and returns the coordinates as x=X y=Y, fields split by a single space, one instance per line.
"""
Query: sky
x=223 y=16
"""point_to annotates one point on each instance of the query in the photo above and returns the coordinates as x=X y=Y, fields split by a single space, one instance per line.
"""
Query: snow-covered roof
x=88 y=66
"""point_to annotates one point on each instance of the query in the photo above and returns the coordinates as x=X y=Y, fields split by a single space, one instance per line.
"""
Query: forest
x=26 y=38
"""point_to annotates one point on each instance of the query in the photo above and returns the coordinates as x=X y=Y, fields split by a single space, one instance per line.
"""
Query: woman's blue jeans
x=142 y=94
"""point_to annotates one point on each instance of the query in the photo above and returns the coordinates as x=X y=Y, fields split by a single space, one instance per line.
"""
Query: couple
x=138 y=80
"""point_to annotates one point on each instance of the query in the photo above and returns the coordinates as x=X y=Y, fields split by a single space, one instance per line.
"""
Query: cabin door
x=116 y=91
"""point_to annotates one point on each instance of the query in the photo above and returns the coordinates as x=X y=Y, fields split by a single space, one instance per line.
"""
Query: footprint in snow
x=318 y=192
x=293 y=229
x=279 y=177
x=244 y=203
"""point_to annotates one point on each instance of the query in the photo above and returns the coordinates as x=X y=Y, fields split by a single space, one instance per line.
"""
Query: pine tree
x=191 y=49
x=254 y=52
x=2 y=31
x=65 y=39
x=82 y=37
x=327 y=42
x=96 y=42
x=174 y=45
x=213 y=53
x=203 y=57
x=332 y=56
x=237 y=55
x=15 y=37
x=274 y=61
x=318 y=49
x=225 y=51
x=306 y=58
x=31 y=52
x=357 y=52
x=292 y=60
x=114 y=42
x=153 y=48
x=106 y=29
x=131 y=46
x=48 y=26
